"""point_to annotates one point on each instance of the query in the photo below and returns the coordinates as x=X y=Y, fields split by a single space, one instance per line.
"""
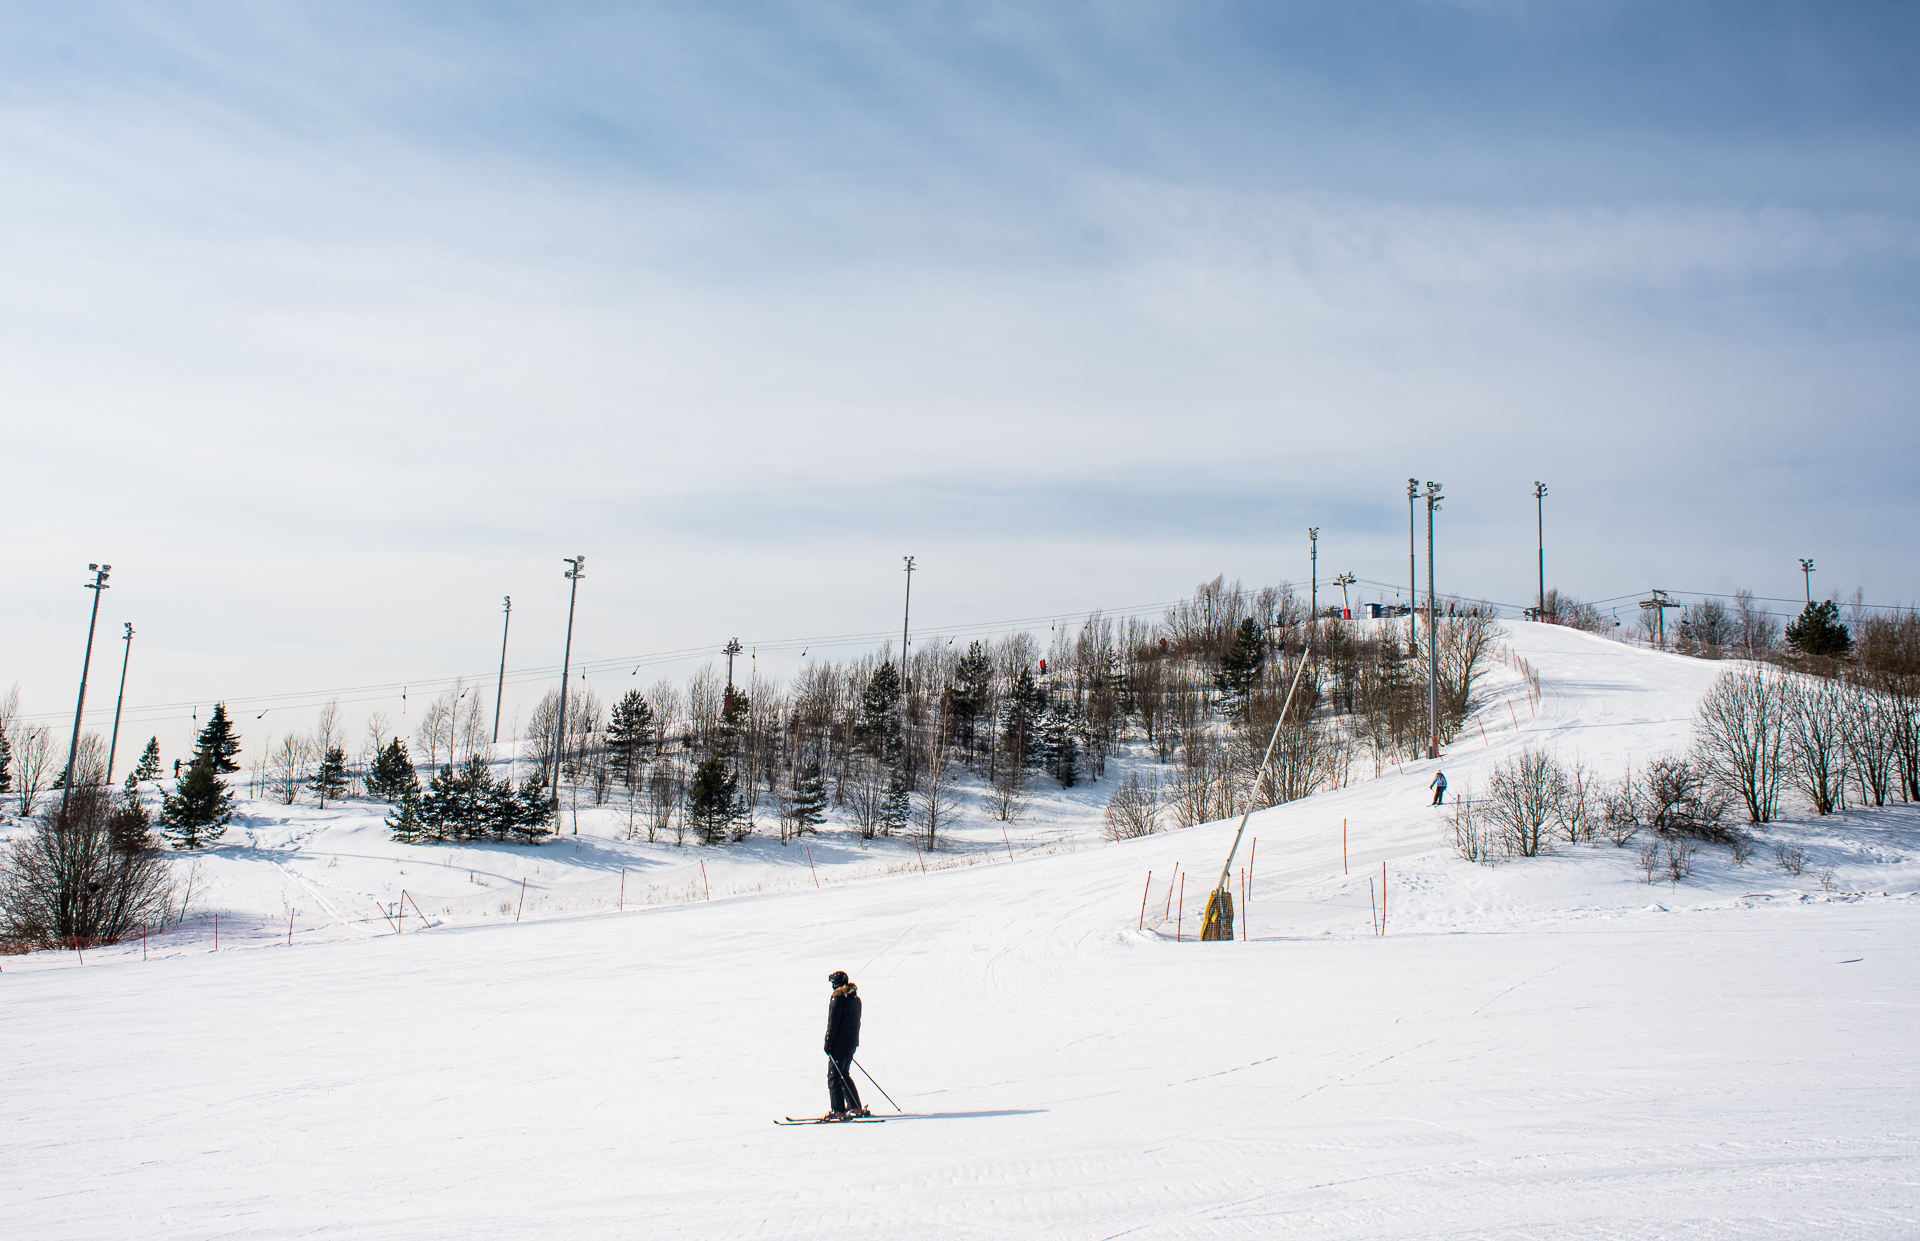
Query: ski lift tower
x=1658 y=605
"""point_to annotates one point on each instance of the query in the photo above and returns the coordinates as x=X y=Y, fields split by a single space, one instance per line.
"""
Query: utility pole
x=1433 y=631
x=906 y=613
x=1343 y=581
x=573 y=575
x=1658 y=605
x=97 y=585
x=500 y=687
x=114 y=745
x=731 y=649
x=1540 y=520
x=1806 y=567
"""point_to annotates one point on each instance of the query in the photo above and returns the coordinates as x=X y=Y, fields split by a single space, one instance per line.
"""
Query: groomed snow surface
x=1549 y=1048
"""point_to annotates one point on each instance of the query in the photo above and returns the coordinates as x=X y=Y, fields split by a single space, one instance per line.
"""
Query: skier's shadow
x=1012 y=1111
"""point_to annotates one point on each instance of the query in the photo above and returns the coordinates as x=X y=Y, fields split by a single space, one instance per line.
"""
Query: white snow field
x=1551 y=1048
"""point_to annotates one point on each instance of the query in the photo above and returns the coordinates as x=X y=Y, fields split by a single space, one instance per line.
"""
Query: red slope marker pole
x=1483 y=733
x=810 y=867
x=416 y=908
x=703 y=879
x=1180 y=911
x=1008 y=839
x=1514 y=714
x=523 y=899
x=290 y=914
x=1143 y=902
x=1383 y=896
x=77 y=952
x=1168 y=911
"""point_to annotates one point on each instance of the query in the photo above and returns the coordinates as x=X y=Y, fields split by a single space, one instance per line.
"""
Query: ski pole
x=877 y=1085
x=845 y=1082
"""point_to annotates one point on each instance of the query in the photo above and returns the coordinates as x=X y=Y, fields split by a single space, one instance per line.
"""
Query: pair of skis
x=830 y=1120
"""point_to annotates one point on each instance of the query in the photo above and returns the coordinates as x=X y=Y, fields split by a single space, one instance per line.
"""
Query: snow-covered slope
x=1547 y=1048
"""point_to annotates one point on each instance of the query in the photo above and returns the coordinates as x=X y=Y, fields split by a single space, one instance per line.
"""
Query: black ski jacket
x=843 y=1021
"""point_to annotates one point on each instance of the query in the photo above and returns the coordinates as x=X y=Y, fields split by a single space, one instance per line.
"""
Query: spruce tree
x=1819 y=631
x=809 y=798
x=330 y=779
x=149 y=768
x=1020 y=723
x=199 y=808
x=218 y=741
x=630 y=734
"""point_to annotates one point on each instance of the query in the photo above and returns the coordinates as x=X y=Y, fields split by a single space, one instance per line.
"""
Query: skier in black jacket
x=843 y=1039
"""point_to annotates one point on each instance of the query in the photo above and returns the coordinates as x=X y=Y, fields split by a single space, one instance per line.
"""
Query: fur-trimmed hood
x=840 y=993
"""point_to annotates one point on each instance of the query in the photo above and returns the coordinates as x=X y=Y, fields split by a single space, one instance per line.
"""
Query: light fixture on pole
x=1806 y=567
x=98 y=584
x=573 y=575
x=113 y=746
x=1540 y=521
x=500 y=687
x=731 y=649
x=1433 y=630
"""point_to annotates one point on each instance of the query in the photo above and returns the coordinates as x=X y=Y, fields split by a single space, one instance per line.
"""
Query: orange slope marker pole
x=1143 y=902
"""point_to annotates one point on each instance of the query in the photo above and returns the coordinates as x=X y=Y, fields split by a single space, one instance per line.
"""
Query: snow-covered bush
x=1134 y=808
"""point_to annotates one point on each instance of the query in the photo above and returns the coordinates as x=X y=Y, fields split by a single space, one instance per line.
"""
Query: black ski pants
x=840 y=1089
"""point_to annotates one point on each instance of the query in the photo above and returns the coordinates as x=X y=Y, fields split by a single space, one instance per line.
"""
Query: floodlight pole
x=1413 y=573
x=1313 y=558
x=905 y=614
x=573 y=575
x=500 y=687
x=1806 y=568
x=98 y=584
x=1433 y=630
x=1540 y=521
x=114 y=745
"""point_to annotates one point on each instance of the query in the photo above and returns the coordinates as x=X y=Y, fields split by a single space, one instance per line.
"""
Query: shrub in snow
x=1134 y=808
x=66 y=880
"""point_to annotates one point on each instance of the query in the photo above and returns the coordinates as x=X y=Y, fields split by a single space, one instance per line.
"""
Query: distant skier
x=1439 y=787
x=843 y=1039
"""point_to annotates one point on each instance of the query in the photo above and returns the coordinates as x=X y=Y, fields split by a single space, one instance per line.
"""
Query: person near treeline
x=1439 y=786
x=843 y=1039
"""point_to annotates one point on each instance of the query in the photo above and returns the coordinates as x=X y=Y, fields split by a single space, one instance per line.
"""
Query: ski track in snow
x=1548 y=1048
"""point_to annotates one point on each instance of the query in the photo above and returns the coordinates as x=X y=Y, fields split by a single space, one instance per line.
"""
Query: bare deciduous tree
x=1817 y=740
x=286 y=767
x=1740 y=728
x=1134 y=809
x=64 y=881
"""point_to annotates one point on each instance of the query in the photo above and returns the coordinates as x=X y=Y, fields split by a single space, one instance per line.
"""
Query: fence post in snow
x=810 y=867
x=703 y=879
x=523 y=899
x=1143 y=902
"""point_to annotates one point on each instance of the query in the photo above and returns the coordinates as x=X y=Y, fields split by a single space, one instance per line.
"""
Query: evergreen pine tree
x=630 y=734
x=1239 y=672
x=149 y=768
x=6 y=764
x=878 y=727
x=1819 y=631
x=534 y=811
x=972 y=682
x=330 y=779
x=896 y=809
x=809 y=798
x=1020 y=722
x=392 y=776
x=128 y=826
x=447 y=805
x=199 y=808
x=219 y=741
x=405 y=820
x=713 y=799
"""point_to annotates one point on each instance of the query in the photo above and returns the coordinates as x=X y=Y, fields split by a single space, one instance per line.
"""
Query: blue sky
x=331 y=324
